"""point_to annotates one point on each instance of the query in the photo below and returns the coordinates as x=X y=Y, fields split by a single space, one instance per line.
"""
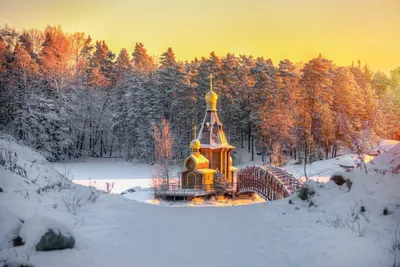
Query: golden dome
x=211 y=97
x=211 y=100
x=195 y=144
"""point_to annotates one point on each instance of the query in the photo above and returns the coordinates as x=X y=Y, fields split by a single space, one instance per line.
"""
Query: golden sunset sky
x=342 y=30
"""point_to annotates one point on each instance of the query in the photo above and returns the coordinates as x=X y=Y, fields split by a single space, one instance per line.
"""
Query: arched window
x=190 y=164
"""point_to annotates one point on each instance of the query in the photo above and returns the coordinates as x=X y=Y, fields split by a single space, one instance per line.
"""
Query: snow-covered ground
x=322 y=170
x=116 y=231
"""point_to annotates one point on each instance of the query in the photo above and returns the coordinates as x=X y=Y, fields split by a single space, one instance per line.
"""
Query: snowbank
x=17 y=262
x=388 y=160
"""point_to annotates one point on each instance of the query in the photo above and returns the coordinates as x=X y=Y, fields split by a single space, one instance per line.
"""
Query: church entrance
x=192 y=180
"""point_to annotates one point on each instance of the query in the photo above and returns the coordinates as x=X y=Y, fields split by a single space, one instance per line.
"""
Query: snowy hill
x=388 y=160
x=115 y=231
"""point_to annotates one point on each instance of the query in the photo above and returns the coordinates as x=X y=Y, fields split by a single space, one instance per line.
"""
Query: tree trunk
x=252 y=148
x=101 y=148
x=90 y=135
x=326 y=152
x=305 y=157
x=249 y=138
x=111 y=148
x=241 y=138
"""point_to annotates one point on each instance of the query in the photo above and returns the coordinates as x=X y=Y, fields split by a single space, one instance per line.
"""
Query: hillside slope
x=115 y=231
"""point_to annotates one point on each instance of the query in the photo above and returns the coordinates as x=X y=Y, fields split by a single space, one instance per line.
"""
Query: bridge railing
x=272 y=182
x=177 y=189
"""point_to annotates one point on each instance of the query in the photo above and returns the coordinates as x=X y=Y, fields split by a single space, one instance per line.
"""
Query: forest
x=68 y=96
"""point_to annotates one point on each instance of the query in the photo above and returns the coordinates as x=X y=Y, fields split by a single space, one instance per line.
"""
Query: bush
x=9 y=160
x=75 y=199
x=220 y=184
x=308 y=190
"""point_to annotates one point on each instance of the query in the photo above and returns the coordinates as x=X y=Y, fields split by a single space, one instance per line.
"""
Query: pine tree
x=123 y=71
x=317 y=96
x=345 y=108
x=173 y=90
x=142 y=62
x=101 y=66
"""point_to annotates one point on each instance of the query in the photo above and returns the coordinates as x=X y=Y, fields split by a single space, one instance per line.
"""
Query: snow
x=347 y=162
x=17 y=262
x=117 y=231
x=9 y=227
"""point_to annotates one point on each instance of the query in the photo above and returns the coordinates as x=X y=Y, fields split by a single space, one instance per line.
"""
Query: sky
x=341 y=30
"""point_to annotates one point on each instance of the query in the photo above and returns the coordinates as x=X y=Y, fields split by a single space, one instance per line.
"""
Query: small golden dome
x=211 y=97
x=211 y=100
x=195 y=144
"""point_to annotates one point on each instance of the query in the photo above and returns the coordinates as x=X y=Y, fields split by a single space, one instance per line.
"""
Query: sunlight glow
x=341 y=30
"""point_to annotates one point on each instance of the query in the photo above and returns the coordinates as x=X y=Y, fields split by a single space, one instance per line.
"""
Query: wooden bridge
x=269 y=182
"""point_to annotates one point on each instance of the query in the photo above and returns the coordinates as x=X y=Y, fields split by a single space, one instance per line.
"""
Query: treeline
x=68 y=96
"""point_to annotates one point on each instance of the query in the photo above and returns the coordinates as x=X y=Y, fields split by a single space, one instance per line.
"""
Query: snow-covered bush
x=43 y=234
x=9 y=160
x=220 y=184
x=75 y=198
x=308 y=190
x=356 y=219
x=54 y=186
x=109 y=187
x=73 y=201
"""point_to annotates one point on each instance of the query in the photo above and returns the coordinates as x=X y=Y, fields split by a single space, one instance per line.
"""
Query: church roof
x=205 y=171
x=211 y=134
x=197 y=158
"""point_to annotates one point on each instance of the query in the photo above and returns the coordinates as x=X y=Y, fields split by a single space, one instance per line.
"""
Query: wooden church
x=210 y=151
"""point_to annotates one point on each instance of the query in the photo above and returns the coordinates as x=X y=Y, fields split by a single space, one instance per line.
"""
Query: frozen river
x=98 y=172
